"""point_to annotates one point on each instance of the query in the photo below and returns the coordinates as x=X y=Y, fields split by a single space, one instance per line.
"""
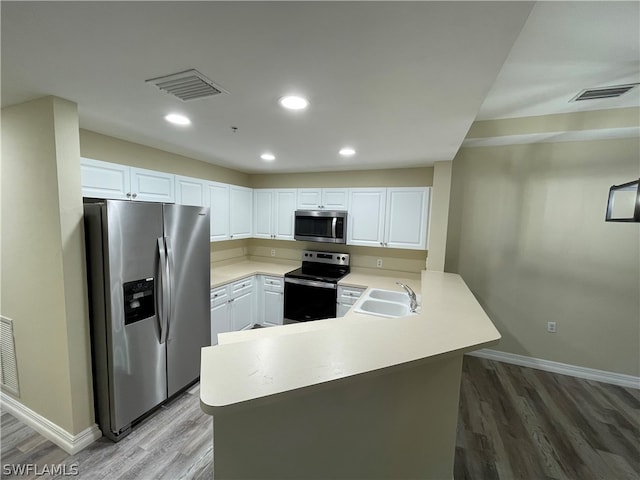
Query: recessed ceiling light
x=347 y=151
x=268 y=157
x=293 y=102
x=177 y=119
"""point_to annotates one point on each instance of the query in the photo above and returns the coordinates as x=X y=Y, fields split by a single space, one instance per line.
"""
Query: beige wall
x=364 y=257
x=401 y=177
x=43 y=284
x=439 y=218
x=527 y=234
x=109 y=149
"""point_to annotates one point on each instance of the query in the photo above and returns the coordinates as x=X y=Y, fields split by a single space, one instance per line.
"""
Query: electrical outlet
x=551 y=327
x=273 y=252
x=379 y=263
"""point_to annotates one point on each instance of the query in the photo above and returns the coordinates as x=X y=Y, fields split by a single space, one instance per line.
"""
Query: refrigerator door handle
x=163 y=277
x=170 y=277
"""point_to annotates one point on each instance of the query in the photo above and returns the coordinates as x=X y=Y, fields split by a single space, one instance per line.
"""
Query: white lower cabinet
x=271 y=300
x=242 y=311
x=347 y=296
x=232 y=307
x=219 y=312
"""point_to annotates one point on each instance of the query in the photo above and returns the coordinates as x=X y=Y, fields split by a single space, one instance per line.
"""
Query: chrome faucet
x=412 y=296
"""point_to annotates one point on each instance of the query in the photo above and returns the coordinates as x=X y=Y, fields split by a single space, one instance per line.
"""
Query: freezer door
x=136 y=358
x=188 y=253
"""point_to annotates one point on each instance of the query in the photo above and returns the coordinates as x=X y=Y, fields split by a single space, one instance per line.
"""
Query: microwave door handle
x=334 y=223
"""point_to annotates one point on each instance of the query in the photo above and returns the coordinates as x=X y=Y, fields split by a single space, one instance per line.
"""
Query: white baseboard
x=71 y=444
x=620 y=379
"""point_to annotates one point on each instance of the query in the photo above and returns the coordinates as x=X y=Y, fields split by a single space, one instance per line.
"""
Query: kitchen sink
x=389 y=296
x=383 y=309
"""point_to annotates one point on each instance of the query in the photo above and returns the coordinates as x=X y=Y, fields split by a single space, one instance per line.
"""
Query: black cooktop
x=321 y=266
x=323 y=273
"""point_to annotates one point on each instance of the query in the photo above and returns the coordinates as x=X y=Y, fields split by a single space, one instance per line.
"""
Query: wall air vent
x=187 y=85
x=603 y=92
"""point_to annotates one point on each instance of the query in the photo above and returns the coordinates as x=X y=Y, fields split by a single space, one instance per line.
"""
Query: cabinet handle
x=134 y=195
x=231 y=236
x=128 y=194
x=381 y=244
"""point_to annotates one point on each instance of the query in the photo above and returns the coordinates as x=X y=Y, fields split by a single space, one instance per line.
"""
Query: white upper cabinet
x=263 y=213
x=274 y=212
x=191 y=191
x=105 y=180
x=218 y=197
x=241 y=205
x=152 y=186
x=323 y=198
x=389 y=217
x=284 y=209
x=120 y=182
x=366 y=220
x=407 y=217
x=309 y=198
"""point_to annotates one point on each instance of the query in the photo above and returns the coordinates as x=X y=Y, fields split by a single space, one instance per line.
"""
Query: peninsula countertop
x=251 y=368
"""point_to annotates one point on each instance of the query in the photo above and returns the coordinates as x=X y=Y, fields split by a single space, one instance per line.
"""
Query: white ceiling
x=400 y=82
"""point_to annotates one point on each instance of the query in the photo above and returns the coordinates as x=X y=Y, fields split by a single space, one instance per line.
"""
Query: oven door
x=306 y=300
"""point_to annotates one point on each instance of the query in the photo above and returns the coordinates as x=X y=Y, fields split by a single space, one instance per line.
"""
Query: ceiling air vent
x=603 y=92
x=187 y=85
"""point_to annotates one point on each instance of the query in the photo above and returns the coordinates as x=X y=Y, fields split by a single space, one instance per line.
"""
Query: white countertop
x=254 y=366
x=221 y=275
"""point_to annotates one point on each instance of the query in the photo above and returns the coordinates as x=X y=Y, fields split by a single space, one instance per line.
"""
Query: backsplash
x=277 y=250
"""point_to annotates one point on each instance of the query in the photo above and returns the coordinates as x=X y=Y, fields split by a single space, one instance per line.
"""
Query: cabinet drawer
x=219 y=295
x=273 y=284
x=242 y=286
x=349 y=295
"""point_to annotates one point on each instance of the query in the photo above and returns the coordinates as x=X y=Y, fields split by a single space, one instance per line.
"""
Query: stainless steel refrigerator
x=148 y=270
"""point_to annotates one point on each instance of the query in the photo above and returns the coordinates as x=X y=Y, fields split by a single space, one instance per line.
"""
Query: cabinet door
x=407 y=217
x=284 y=209
x=272 y=300
x=263 y=200
x=309 y=198
x=152 y=186
x=190 y=191
x=219 y=321
x=365 y=224
x=242 y=311
x=218 y=197
x=104 y=180
x=342 y=309
x=335 y=198
x=240 y=210
x=273 y=308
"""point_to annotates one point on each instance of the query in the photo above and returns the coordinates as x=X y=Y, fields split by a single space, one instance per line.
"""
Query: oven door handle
x=311 y=283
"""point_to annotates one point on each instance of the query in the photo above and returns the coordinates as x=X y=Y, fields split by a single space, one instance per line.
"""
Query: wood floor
x=514 y=423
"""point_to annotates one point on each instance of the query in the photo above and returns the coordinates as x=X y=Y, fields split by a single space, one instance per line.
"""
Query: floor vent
x=603 y=92
x=187 y=85
x=8 y=365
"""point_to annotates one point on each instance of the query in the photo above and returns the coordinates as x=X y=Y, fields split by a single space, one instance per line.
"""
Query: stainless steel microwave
x=321 y=226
